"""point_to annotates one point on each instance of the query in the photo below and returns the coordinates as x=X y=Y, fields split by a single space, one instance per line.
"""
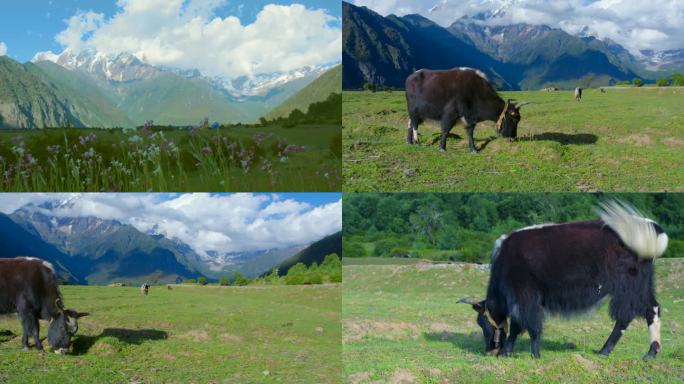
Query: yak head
x=63 y=327
x=507 y=125
x=493 y=336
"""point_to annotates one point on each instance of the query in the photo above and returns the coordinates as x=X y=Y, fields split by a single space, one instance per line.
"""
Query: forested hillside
x=463 y=226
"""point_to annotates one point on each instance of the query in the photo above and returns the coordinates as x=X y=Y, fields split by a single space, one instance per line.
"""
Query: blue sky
x=222 y=222
x=31 y=26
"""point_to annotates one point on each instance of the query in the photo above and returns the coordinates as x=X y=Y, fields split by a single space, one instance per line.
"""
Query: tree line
x=463 y=226
x=329 y=271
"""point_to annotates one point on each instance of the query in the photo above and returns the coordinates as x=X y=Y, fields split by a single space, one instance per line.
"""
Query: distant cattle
x=29 y=288
x=550 y=89
x=570 y=268
x=603 y=90
x=168 y=287
x=144 y=289
x=578 y=93
x=451 y=95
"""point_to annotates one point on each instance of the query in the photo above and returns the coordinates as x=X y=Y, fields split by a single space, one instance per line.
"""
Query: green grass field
x=402 y=324
x=254 y=334
x=231 y=159
x=621 y=140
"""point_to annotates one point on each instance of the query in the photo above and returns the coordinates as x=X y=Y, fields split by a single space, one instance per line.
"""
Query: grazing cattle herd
x=570 y=268
x=29 y=288
x=463 y=94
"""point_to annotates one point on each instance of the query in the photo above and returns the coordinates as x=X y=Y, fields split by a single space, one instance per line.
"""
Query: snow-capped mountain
x=669 y=60
x=122 y=67
x=125 y=67
x=261 y=84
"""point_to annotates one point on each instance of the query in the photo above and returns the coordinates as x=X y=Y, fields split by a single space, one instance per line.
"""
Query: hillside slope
x=318 y=90
x=314 y=253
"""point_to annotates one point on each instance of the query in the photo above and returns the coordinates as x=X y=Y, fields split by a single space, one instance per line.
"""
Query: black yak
x=569 y=268
x=453 y=94
x=29 y=288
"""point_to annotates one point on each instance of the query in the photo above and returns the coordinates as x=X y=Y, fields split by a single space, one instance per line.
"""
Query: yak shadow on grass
x=128 y=336
x=483 y=142
x=474 y=343
x=564 y=138
x=7 y=335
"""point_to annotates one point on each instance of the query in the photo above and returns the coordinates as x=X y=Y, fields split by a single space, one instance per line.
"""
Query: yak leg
x=446 y=125
x=515 y=330
x=26 y=330
x=653 y=321
x=614 y=337
x=35 y=328
x=412 y=133
x=470 y=129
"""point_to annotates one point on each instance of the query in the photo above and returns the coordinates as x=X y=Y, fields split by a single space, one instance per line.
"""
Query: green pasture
x=402 y=324
x=189 y=334
x=621 y=140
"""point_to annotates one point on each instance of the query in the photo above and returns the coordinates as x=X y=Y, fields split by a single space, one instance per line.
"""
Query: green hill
x=315 y=252
x=28 y=101
x=318 y=90
x=90 y=103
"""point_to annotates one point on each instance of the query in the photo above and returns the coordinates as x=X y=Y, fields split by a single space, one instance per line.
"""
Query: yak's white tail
x=636 y=231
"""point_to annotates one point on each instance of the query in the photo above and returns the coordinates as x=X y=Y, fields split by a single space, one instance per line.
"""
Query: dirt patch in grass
x=355 y=330
x=636 y=139
x=674 y=142
x=228 y=338
x=195 y=335
x=358 y=378
x=402 y=376
x=585 y=363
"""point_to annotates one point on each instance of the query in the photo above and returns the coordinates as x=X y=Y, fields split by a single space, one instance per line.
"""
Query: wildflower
x=195 y=131
x=89 y=153
x=206 y=150
x=283 y=159
x=134 y=139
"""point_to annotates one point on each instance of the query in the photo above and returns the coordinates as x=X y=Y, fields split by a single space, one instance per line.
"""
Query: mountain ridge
x=384 y=50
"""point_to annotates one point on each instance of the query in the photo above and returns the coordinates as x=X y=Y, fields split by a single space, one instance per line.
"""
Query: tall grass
x=162 y=159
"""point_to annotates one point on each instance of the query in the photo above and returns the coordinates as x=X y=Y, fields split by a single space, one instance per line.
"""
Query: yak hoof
x=25 y=348
x=442 y=149
x=648 y=357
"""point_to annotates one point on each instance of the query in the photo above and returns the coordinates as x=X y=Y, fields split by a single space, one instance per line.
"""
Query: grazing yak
x=578 y=93
x=457 y=94
x=28 y=287
x=569 y=268
x=144 y=289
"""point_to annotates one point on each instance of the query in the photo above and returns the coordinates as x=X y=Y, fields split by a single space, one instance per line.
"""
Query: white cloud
x=3 y=48
x=223 y=223
x=187 y=35
x=657 y=26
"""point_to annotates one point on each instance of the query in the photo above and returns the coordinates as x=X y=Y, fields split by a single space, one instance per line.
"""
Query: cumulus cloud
x=657 y=26
x=207 y=222
x=186 y=34
x=3 y=48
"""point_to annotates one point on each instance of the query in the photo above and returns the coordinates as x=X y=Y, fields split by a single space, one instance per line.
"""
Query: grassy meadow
x=190 y=334
x=402 y=324
x=239 y=158
x=623 y=140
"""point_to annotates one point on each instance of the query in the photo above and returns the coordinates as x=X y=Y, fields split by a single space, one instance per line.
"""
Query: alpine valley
x=91 y=89
x=95 y=251
x=383 y=51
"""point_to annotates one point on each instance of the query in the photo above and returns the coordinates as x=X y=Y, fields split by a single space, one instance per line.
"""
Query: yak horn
x=467 y=300
x=518 y=105
x=58 y=303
